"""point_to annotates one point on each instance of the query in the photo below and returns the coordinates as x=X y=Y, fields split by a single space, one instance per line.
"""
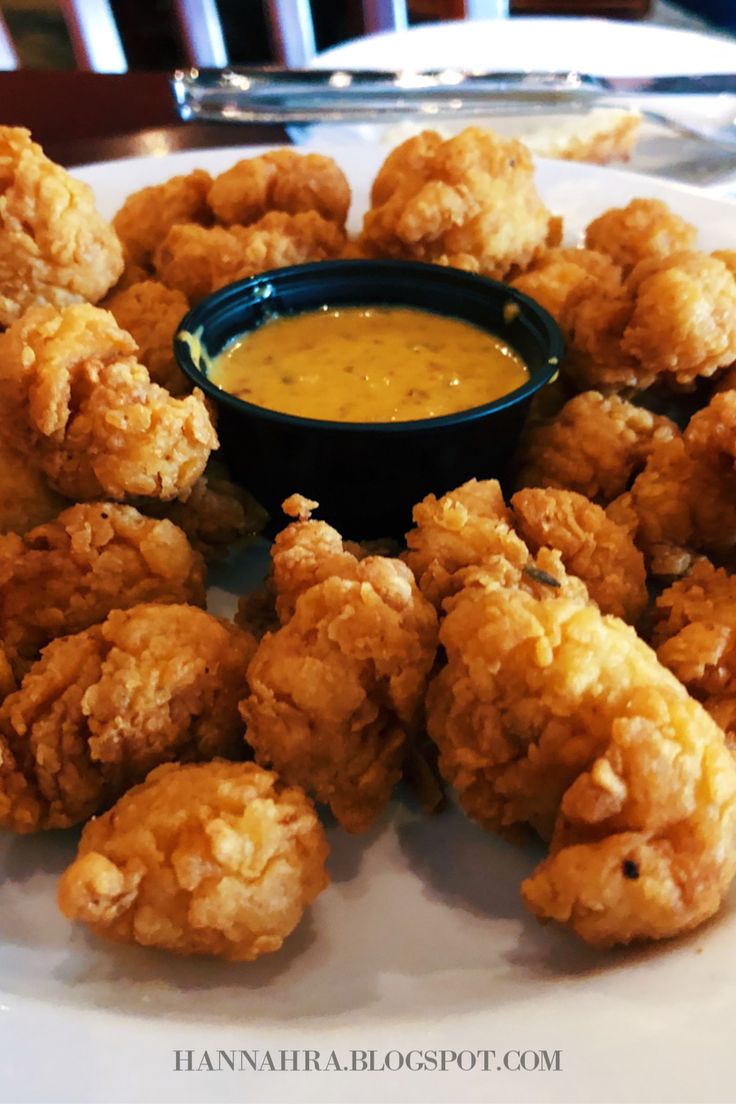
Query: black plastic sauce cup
x=366 y=476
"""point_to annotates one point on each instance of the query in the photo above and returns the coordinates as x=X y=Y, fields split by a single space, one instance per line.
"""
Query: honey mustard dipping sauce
x=368 y=364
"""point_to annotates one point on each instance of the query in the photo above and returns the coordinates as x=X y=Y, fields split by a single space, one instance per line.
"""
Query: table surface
x=83 y=117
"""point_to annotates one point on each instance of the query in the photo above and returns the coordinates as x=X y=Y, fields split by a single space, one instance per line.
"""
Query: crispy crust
x=217 y=858
x=54 y=245
x=101 y=708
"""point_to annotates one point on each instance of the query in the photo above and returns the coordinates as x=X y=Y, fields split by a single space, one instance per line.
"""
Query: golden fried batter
x=66 y=575
x=695 y=636
x=151 y=313
x=552 y=276
x=216 y=515
x=592 y=546
x=197 y=261
x=100 y=709
x=215 y=858
x=551 y=715
x=684 y=318
x=81 y=408
x=644 y=228
x=194 y=259
x=306 y=553
x=595 y=446
x=684 y=501
x=594 y=319
x=25 y=497
x=464 y=528
x=469 y=202
x=674 y=318
x=282 y=180
x=146 y=217
x=727 y=257
x=336 y=692
x=54 y=246
x=466 y=540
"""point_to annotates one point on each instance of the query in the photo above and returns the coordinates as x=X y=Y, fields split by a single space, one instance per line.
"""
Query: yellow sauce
x=368 y=364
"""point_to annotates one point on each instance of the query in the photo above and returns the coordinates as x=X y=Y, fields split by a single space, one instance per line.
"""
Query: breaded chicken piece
x=466 y=540
x=552 y=276
x=54 y=245
x=151 y=313
x=282 y=180
x=147 y=215
x=694 y=633
x=674 y=318
x=643 y=228
x=70 y=573
x=462 y=529
x=594 y=320
x=101 y=708
x=470 y=202
x=551 y=715
x=727 y=257
x=25 y=497
x=592 y=547
x=215 y=858
x=684 y=317
x=336 y=692
x=596 y=445
x=684 y=501
x=197 y=261
x=306 y=553
x=216 y=515
x=79 y=406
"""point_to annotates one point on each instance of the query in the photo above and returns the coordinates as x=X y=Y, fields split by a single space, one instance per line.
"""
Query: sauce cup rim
x=195 y=320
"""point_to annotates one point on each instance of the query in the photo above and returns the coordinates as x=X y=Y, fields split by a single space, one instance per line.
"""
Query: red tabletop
x=83 y=117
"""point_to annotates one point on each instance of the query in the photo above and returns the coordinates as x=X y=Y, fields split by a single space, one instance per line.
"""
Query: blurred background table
x=82 y=117
x=39 y=32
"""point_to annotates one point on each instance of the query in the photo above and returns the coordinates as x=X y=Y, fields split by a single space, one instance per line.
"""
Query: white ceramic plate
x=420 y=942
x=603 y=47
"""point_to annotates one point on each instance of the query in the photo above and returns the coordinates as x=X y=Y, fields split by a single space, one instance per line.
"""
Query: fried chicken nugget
x=674 y=318
x=103 y=707
x=70 y=573
x=215 y=858
x=469 y=202
x=197 y=261
x=216 y=515
x=54 y=245
x=553 y=275
x=684 y=501
x=25 y=497
x=684 y=317
x=306 y=553
x=147 y=215
x=81 y=408
x=596 y=445
x=594 y=320
x=282 y=180
x=336 y=692
x=695 y=636
x=643 y=228
x=551 y=715
x=463 y=529
x=150 y=312
x=468 y=538
x=592 y=547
